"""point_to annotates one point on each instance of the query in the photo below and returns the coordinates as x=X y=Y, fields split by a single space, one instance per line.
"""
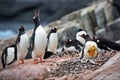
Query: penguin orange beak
x=80 y=35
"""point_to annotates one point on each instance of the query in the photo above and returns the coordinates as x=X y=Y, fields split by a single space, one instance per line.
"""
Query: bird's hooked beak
x=92 y=50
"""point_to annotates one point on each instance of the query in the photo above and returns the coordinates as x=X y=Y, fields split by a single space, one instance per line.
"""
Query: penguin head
x=91 y=48
x=21 y=29
x=54 y=30
x=79 y=30
x=80 y=33
x=36 y=18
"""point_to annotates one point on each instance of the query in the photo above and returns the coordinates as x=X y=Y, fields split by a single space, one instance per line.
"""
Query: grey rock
x=100 y=16
x=111 y=12
x=111 y=32
x=88 y=26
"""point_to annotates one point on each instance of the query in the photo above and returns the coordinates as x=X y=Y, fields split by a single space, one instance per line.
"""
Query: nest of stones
x=74 y=65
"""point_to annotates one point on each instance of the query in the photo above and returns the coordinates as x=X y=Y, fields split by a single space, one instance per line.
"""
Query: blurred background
x=14 y=13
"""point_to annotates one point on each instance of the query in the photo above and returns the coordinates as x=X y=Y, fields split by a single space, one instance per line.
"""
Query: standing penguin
x=22 y=44
x=39 y=40
x=9 y=55
x=52 y=43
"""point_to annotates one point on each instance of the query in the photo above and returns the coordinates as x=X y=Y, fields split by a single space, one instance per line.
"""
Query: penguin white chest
x=80 y=39
x=11 y=55
x=23 y=46
x=40 y=41
x=53 y=42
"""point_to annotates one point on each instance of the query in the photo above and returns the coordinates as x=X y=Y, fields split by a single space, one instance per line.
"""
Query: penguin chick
x=72 y=45
x=40 y=40
x=89 y=51
x=9 y=55
x=22 y=44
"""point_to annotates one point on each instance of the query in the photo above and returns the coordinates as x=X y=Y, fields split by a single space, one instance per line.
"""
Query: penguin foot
x=35 y=62
x=21 y=62
x=42 y=60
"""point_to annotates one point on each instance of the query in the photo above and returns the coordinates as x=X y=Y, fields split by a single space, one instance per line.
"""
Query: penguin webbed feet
x=42 y=60
x=20 y=62
x=36 y=61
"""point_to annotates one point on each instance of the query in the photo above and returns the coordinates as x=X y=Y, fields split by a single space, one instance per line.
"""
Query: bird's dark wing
x=106 y=44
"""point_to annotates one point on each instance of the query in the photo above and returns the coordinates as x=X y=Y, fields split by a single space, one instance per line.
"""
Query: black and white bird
x=90 y=49
x=72 y=45
x=9 y=55
x=22 y=44
x=39 y=40
x=52 y=43
x=106 y=44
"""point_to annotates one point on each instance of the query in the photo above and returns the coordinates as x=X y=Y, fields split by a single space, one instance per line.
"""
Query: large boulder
x=111 y=32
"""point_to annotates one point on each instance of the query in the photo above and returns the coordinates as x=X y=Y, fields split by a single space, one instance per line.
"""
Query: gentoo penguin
x=36 y=20
x=106 y=44
x=79 y=37
x=9 y=55
x=52 y=43
x=22 y=44
x=72 y=45
x=40 y=40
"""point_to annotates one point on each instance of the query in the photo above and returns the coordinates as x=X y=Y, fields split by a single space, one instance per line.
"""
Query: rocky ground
x=66 y=65
x=62 y=66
